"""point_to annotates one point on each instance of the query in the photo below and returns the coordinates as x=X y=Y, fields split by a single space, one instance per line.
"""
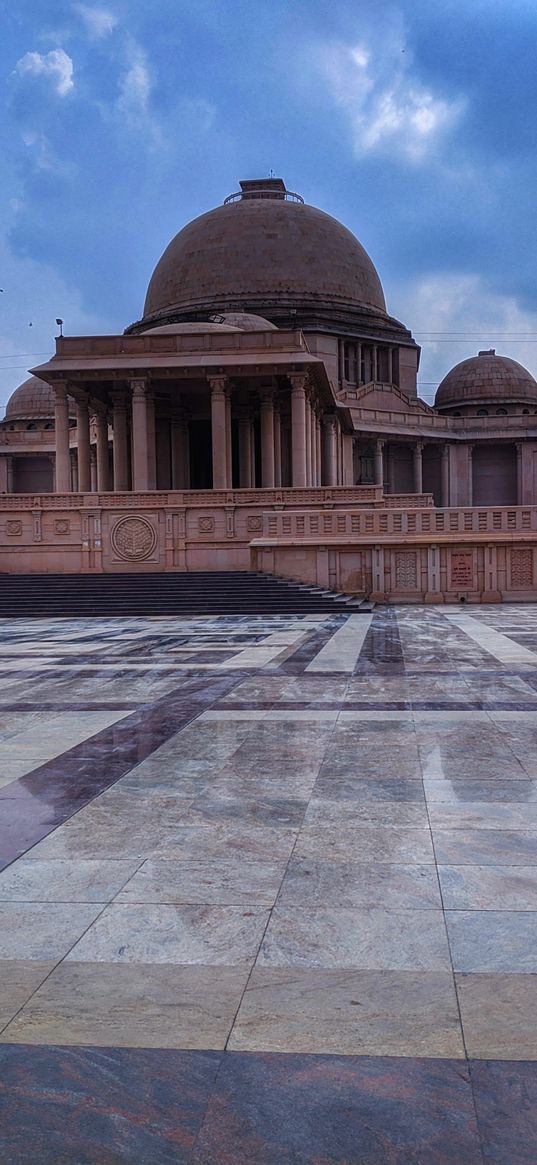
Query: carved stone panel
x=14 y=526
x=522 y=569
x=206 y=525
x=254 y=522
x=134 y=538
x=462 y=570
x=406 y=570
x=62 y=526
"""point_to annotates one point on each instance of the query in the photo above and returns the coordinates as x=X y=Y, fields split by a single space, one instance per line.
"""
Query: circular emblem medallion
x=133 y=538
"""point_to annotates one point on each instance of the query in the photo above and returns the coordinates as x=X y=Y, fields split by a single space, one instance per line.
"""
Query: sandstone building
x=264 y=411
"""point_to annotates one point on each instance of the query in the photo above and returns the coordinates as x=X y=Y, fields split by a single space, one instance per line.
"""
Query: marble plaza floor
x=269 y=889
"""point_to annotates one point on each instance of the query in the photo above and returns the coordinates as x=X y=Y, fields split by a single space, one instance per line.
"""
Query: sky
x=414 y=123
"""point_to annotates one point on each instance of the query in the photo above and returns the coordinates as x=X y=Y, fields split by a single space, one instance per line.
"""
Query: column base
x=491 y=597
x=433 y=597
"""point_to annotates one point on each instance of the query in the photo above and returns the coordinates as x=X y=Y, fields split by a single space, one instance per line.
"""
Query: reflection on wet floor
x=300 y=848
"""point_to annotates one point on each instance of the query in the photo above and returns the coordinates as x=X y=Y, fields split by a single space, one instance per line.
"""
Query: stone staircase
x=195 y=593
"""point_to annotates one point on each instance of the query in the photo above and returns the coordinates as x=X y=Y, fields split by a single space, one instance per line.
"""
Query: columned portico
x=83 y=446
x=61 y=420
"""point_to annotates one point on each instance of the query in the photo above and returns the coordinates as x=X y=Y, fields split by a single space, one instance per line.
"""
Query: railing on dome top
x=281 y=196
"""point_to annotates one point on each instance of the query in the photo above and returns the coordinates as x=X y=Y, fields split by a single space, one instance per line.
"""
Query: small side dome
x=248 y=322
x=33 y=400
x=188 y=329
x=486 y=379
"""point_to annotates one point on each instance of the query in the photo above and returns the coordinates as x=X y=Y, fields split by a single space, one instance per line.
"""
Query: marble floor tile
x=352 y=788
x=148 y=933
x=19 y=978
x=485 y=815
x=136 y=1005
x=375 y=1013
x=368 y=843
x=489 y=887
x=114 y=1106
x=375 y=939
x=205 y=843
x=490 y=847
x=216 y=882
x=505 y=1096
x=272 y=1109
x=315 y=883
x=42 y=931
x=458 y=792
x=212 y=807
x=64 y=881
x=336 y=812
x=487 y=940
x=499 y=1015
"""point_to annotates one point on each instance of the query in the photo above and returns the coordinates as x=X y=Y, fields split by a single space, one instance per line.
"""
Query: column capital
x=119 y=398
x=380 y=442
x=419 y=446
x=218 y=384
x=140 y=386
x=298 y=381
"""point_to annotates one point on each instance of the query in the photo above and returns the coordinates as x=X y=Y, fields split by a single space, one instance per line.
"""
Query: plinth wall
x=355 y=540
x=409 y=555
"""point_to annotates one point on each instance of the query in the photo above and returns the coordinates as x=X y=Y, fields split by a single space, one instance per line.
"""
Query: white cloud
x=56 y=65
x=388 y=108
x=133 y=103
x=455 y=315
x=99 y=22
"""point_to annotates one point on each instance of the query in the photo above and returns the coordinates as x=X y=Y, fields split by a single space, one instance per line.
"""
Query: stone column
x=444 y=477
x=375 y=363
x=378 y=463
x=314 y=481
x=470 y=501
x=418 y=467
x=119 y=425
x=519 y=479
x=218 y=386
x=101 y=430
x=390 y=365
x=93 y=468
x=229 y=442
x=151 y=442
x=63 y=461
x=245 y=447
x=298 y=428
x=329 y=477
x=277 y=447
x=140 y=436
x=180 y=444
x=83 y=446
x=308 y=442
x=267 y=440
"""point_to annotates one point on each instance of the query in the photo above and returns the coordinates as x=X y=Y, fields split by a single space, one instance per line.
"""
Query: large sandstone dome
x=33 y=400
x=266 y=253
x=486 y=379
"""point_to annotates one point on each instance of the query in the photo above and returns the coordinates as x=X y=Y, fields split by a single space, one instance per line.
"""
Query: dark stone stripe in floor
x=299 y=659
x=89 y=1106
x=55 y=706
x=506 y=1104
x=382 y=645
x=34 y=805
